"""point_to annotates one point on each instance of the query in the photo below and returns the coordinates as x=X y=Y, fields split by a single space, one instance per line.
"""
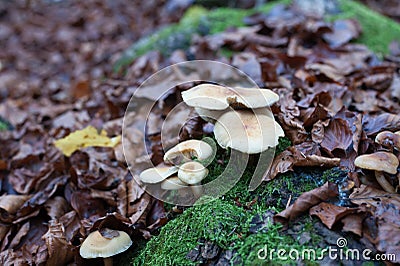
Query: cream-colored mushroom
x=379 y=162
x=157 y=174
x=216 y=97
x=186 y=150
x=247 y=132
x=105 y=244
x=192 y=173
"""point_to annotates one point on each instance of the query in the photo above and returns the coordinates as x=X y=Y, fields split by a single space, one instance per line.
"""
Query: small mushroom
x=388 y=139
x=186 y=150
x=157 y=174
x=379 y=162
x=216 y=97
x=397 y=132
x=173 y=183
x=247 y=132
x=105 y=244
x=192 y=173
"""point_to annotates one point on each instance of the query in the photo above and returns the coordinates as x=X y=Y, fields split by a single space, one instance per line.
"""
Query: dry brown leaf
x=307 y=200
x=329 y=214
x=60 y=251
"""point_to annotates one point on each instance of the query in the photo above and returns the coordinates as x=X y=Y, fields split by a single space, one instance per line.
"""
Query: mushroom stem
x=383 y=182
x=197 y=191
x=108 y=261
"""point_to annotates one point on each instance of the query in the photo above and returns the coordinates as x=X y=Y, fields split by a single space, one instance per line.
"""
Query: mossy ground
x=226 y=220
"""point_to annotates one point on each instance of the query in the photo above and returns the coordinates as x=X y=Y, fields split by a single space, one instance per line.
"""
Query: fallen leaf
x=329 y=214
x=307 y=200
x=85 y=138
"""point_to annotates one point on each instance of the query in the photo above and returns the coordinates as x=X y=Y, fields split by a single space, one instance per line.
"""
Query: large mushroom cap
x=157 y=174
x=184 y=151
x=215 y=97
x=192 y=172
x=109 y=244
x=247 y=132
x=378 y=161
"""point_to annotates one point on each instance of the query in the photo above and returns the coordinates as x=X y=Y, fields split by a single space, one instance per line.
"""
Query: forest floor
x=69 y=65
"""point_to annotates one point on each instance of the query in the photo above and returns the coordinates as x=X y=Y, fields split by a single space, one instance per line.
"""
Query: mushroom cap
x=96 y=245
x=216 y=97
x=387 y=138
x=173 y=183
x=397 y=132
x=192 y=172
x=378 y=161
x=184 y=151
x=157 y=174
x=247 y=132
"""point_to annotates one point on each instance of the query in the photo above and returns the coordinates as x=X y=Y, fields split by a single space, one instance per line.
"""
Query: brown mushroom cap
x=173 y=183
x=216 y=97
x=184 y=151
x=378 y=161
x=157 y=174
x=112 y=242
x=192 y=173
x=387 y=138
x=247 y=132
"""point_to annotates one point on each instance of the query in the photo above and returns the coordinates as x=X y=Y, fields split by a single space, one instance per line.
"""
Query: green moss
x=4 y=125
x=378 y=30
x=274 y=239
x=217 y=221
x=283 y=144
x=226 y=222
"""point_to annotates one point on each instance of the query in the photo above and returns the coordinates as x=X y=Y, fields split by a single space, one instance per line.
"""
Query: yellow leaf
x=85 y=138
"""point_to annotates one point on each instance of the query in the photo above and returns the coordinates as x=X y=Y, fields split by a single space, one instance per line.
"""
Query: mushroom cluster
x=105 y=243
x=243 y=120
x=383 y=161
x=183 y=167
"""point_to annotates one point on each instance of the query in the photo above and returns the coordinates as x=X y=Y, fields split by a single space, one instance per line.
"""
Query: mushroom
x=216 y=97
x=379 y=162
x=186 y=150
x=247 y=132
x=105 y=244
x=157 y=174
x=192 y=173
x=388 y=139
x=173 y=183
x=397 y=132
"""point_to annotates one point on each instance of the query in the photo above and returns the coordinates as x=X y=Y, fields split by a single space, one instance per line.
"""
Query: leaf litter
x=335 y=96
